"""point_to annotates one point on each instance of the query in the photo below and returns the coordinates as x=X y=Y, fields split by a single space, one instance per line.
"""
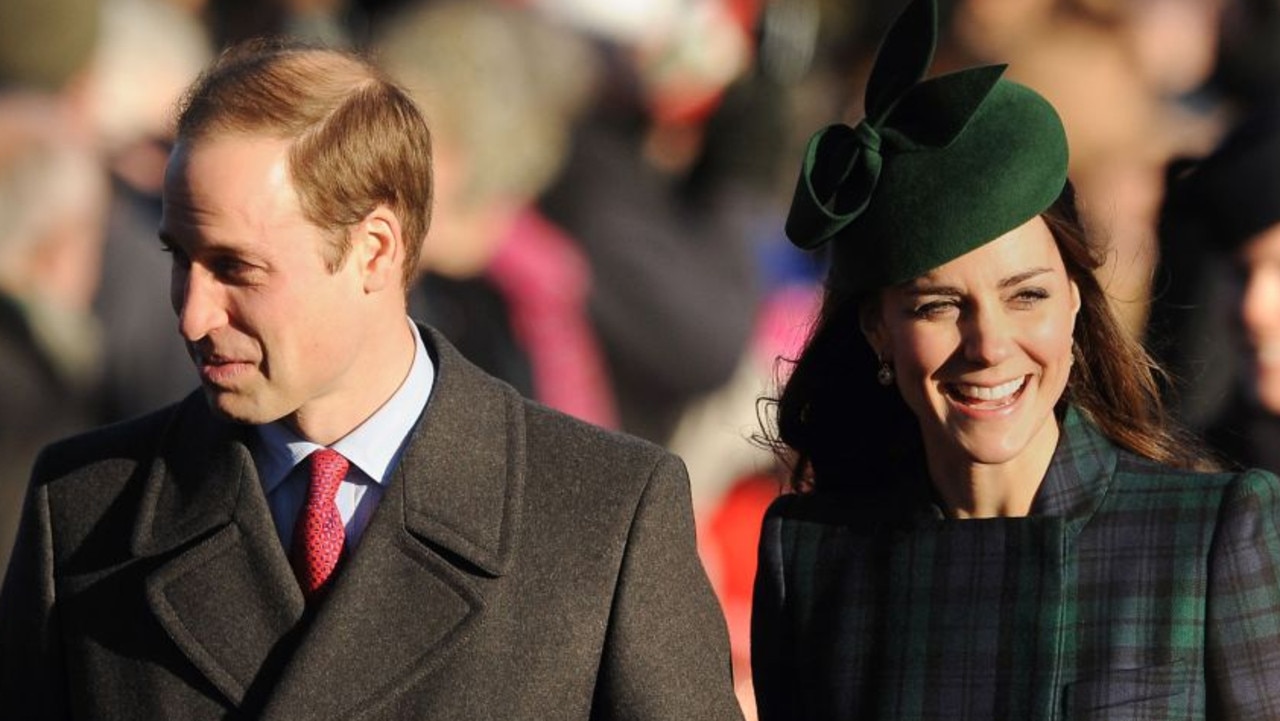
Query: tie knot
x=328 y=469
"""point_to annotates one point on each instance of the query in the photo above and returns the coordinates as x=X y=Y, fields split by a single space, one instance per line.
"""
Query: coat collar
x=1078 y=478
x=196 y=480
x=470 y=446
x=223 y=589
x=470 y=440
x=1080 y=473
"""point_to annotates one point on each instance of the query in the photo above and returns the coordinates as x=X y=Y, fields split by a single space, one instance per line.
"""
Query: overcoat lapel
x=226 y=594
x=409 y=594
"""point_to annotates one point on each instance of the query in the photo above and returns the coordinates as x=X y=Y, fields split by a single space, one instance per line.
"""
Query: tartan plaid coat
x=1133 y=591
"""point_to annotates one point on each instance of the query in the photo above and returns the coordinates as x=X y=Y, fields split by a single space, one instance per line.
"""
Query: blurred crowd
x=612 y=180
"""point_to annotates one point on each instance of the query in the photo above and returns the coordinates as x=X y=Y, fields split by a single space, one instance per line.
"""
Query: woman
x=993 y=519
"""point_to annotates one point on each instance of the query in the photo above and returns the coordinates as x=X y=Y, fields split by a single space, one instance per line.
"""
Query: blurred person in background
x=1197 y=283
x=115 y=68
x=148 y=52
x=657 y=207
x=48 y=363
x=1225 y=210
x=502 y=88
x=328 y=23
x=46 y=46
x=52 y=210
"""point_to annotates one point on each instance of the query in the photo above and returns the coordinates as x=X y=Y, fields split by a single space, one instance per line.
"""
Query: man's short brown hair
x=358 y=139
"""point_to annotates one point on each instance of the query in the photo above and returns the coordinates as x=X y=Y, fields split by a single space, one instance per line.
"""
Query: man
x=489 y=558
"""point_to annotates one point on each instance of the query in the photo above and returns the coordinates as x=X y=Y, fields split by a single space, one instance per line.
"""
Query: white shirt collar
x=374 y=447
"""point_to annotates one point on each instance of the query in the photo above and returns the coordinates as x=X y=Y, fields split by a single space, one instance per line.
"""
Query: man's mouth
x=219 y=369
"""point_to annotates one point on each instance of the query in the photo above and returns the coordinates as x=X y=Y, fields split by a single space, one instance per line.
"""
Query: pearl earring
x=885 y=375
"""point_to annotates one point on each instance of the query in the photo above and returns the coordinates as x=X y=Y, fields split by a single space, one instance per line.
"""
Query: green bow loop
x=903 y=60
x=937 y=168
x=841 y=169
x=842 y=165
x=934 y=113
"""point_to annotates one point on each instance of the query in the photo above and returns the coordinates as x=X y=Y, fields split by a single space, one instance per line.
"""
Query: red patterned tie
x=318 y=535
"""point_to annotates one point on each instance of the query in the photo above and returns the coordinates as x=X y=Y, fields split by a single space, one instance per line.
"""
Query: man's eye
x=229 y=268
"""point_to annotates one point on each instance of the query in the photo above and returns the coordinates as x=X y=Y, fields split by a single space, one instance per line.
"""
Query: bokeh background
x=613 y=177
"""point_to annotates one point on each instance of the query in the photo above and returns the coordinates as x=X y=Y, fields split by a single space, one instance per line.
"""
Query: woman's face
x=981 y=347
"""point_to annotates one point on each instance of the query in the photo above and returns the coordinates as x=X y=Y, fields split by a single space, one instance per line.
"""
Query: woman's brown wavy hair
x=836 y=423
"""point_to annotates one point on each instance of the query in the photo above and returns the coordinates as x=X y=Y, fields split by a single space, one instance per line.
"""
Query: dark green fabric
x=1133 y=591
x=937 y=168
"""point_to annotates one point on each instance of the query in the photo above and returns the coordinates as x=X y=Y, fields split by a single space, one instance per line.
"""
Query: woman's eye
x=933 y=309
x=1030 y=296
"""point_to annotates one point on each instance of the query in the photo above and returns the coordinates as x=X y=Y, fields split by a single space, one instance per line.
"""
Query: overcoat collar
x=1080 y=474
x=223 y=588
x=1074 y=486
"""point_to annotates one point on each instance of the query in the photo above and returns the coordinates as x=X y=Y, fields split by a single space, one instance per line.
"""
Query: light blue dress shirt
x=373 y=448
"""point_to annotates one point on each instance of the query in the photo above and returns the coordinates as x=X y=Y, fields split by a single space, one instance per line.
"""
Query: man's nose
x=199 y=302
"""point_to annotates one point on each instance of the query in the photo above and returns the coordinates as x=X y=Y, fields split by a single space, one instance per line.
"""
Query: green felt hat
x=937 y=168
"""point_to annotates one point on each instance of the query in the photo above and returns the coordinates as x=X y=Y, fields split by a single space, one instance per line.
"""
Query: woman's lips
x=986 y=397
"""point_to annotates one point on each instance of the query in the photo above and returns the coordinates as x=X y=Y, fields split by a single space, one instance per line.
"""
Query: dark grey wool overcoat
x=521 y=565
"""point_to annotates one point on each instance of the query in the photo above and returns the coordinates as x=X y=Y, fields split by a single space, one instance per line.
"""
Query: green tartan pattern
x=1133 y=591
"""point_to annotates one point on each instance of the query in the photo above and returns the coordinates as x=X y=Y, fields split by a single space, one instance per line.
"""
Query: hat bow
x=842 y=164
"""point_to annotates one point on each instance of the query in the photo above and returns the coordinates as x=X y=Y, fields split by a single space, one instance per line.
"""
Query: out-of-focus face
x=1175 y=42
x=1259 y=265
x=981 y=348
x=273 y=333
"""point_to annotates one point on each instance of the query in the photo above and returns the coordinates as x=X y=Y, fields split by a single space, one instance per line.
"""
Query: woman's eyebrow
x=1024 y=276
x=926 y=288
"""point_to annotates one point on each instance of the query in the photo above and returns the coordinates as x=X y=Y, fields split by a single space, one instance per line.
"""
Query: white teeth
x=992 y=393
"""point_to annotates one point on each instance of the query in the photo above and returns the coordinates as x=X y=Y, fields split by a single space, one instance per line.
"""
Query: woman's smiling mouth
x=986 y=397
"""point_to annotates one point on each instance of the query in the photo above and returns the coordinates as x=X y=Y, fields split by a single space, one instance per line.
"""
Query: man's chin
x=234 y=408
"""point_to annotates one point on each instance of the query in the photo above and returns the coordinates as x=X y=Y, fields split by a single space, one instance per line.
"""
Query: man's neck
x=328 y=419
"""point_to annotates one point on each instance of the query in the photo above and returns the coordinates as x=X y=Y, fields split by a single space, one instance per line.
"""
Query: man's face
x=273 y=333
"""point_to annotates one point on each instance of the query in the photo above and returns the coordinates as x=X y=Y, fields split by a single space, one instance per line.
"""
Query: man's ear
x=378 y=246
